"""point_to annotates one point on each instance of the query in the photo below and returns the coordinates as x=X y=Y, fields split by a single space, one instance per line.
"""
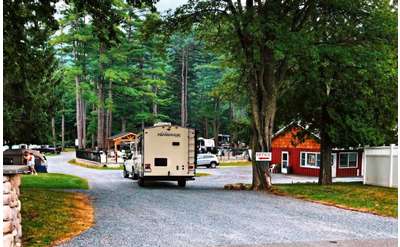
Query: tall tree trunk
x=123 y=122
x=53 y=130
x=62 y=130
x=109 y=111
x=206 y=127
x=100 y=107
x=78 y=112
x=263 y=96
x=216 y=122
x=155 y=106
x=186 y=86
x=93 y=141
x=183 y=115
x=83 y=125
x=325 y=171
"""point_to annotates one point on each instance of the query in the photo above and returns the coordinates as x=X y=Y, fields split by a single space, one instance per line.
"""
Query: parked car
x=208 y=160
x=48 y=149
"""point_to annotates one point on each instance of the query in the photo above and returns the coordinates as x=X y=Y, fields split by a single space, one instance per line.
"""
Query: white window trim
x=307 y=166
x=353 y=167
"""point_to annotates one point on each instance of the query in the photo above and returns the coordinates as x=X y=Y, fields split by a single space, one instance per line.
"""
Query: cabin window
x=160 y=161
x=175 y=143
x=348 y=160
x=310 y=159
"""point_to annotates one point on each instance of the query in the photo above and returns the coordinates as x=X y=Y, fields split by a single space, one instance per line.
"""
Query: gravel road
x=203 y=214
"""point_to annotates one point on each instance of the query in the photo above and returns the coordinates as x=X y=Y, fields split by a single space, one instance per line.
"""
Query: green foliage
x=28 y=71
x=351 y=78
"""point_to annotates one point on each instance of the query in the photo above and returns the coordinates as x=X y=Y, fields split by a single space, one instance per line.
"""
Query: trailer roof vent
x=162 y=124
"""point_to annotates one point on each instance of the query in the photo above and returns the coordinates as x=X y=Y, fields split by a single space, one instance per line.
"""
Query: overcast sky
x=164 y=5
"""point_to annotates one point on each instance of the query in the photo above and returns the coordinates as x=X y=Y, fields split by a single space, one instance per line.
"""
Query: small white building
x=381 y=166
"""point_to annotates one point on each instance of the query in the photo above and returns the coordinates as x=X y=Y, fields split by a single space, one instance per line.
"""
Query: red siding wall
x=294 y=160
x=349 y=172
x=286 y=141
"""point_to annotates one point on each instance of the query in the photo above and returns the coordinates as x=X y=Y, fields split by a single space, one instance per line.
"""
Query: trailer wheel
x=213 y=164
x=125 y=173
x=141 y=182
x=182 y=183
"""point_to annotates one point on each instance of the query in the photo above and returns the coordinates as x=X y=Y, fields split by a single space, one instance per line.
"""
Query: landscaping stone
x=12 y=228
x=6 y=199
x=6 y=187
x=6 y=213
x=8 y=240
x=7 y=227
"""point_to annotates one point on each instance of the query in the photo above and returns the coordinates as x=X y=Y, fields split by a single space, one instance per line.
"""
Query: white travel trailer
x=205 y=145
x=163 y=152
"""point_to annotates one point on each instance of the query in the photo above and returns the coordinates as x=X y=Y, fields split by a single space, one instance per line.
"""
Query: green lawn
x=50 y=154
x=373 y=199
x=202 y=174
x=244 y=163
x=54 y=181
x=74 y=162
x=50 y=216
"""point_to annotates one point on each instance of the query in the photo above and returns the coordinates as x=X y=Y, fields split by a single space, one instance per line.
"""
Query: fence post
x=391 y=166
x=364 y=164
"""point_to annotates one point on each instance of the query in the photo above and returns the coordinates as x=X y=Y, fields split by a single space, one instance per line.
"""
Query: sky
x=164 y=5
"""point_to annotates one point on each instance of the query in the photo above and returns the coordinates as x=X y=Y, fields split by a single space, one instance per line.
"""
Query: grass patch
x=202 y=174
x=49 y=217
x=69 y=150
x=242 y=163
x=355 y=196
x=54 y=181
x=51 y=154
x=74 y=162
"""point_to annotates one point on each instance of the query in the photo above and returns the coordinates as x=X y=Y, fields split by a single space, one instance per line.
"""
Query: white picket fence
x=381 y=166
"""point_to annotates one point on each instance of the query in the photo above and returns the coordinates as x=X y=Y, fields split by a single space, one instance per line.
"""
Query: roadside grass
x=51 y=154
x=74 y=162
x=202 y=174
x=354 y=196
x=241 y=163
x=50 y=216
x=69 y=150
x=53 y=181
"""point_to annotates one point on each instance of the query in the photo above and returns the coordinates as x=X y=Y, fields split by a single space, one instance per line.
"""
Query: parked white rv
x=163 y=152
x=205 y=145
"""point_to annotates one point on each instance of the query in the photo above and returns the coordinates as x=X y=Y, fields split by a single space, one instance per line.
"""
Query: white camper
x=163 y=152
x=205 y=145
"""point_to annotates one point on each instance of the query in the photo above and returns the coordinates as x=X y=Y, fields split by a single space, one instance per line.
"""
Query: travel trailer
x=163 y=152
x=205 y=145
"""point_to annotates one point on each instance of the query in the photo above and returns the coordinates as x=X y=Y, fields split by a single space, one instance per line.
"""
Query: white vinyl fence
x=381 y=166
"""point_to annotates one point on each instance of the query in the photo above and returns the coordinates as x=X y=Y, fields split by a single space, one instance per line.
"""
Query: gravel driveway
x=203 y=214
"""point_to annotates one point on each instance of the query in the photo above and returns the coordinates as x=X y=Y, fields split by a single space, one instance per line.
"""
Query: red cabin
x=303 y=157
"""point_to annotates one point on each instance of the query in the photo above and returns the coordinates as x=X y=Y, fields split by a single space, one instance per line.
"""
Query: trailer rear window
x=175 y=143
x=160 y=161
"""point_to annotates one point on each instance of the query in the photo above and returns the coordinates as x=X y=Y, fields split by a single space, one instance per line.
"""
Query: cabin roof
x=122 y=134
x=290 y=126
